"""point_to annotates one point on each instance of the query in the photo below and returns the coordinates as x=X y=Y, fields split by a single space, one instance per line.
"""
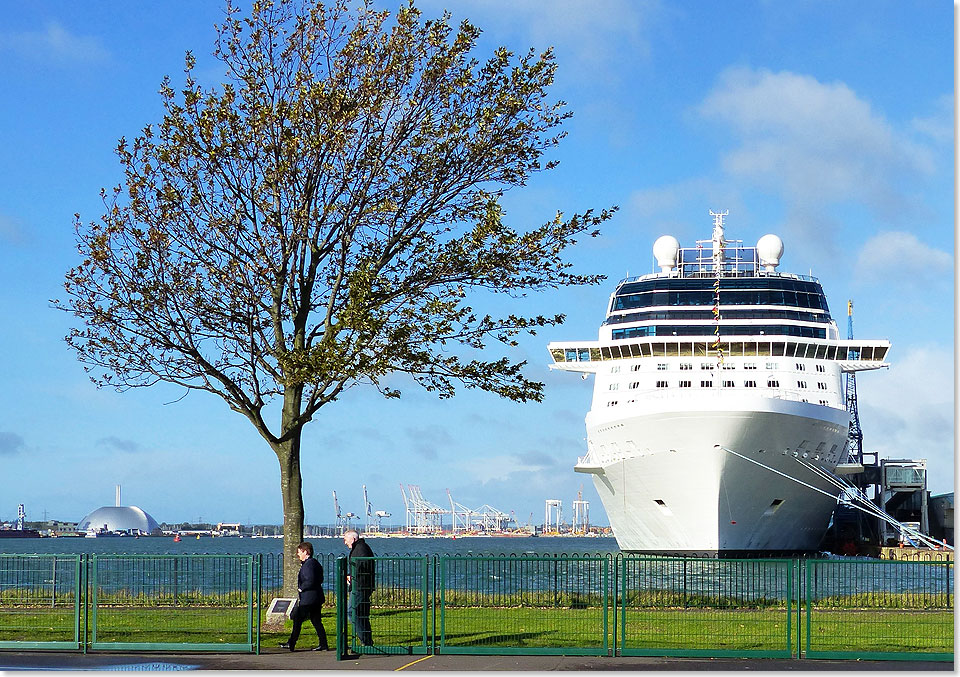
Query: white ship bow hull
x=708 y=480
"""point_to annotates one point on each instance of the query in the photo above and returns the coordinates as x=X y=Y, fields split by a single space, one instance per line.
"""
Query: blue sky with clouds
x=829 y=124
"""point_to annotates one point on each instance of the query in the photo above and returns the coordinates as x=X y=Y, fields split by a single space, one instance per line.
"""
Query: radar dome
x=665 y=249
x=770 y=249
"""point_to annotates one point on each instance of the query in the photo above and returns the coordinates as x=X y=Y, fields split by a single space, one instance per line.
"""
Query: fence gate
x=41 y=592
x=870 y=609
x=706 y=607
x=524 y=605
x=400 y=610
x=173 y=602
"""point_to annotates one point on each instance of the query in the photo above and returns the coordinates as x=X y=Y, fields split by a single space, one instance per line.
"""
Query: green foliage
x=323 y=218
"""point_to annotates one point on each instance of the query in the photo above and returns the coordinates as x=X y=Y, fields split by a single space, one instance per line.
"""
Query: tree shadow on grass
x=486 y=638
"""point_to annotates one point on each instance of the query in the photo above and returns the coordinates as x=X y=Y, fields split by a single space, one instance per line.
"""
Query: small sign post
x=278 y=612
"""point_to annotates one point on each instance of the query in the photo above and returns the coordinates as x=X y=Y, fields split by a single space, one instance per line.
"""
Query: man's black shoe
x=321 y=648
x=286 y=645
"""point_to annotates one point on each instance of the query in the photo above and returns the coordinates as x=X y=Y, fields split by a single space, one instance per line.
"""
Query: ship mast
x=718 y=243
x=855 y=436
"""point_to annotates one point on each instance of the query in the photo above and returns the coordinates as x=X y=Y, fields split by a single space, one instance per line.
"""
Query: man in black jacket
x=310 y=598
x=360 y=582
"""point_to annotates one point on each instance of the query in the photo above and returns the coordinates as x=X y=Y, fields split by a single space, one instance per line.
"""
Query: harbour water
x=165 y=545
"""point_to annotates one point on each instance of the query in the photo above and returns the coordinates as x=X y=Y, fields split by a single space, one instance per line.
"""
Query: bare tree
x=320 y=219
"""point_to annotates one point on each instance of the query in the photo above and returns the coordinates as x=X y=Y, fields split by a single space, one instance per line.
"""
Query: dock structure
x=553 y=516
x=423 y=517
x=581 y=514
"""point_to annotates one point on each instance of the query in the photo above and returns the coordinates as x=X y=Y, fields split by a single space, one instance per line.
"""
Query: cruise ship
x=719 y=421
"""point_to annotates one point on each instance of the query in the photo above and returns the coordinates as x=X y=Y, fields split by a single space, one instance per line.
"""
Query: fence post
x=53 y=584
x=808 y=610
x=259 y=607
x=341 y=583
x=431 y=570
x=79 y=602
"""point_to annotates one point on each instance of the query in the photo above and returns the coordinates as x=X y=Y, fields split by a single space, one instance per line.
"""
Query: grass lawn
x=868 y=630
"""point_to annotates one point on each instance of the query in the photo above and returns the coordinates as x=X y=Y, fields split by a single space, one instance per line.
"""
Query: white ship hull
x=707 y=475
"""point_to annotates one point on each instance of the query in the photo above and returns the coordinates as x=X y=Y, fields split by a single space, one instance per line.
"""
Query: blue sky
x=829 y=124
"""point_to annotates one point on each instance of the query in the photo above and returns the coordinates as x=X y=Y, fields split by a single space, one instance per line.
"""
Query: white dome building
x=119 y=518
x=130 y=519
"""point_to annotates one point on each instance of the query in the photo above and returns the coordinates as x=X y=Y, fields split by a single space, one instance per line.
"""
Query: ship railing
x=716 y=391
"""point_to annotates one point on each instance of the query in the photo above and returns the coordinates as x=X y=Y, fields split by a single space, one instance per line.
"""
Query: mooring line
x=413 y=663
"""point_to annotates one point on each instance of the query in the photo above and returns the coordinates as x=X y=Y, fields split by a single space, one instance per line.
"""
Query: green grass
x=521 y=627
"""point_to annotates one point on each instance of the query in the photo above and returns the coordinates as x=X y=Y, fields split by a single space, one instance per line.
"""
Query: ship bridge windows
x=685 y=384
x=708 y=329
x=693 y=291
x=728 y=314
x=705 y=297
x=662 y=384
x=749 y=384
x=773 y=383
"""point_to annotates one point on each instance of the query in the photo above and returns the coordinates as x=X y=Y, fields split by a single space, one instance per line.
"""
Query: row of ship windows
x=686 y=366
x=613 y=403
x=771 y=383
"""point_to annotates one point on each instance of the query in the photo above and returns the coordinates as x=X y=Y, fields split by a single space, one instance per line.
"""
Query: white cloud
x=501 y=467
x=590 y=34
x=908 y=411
x=896 y=255
x=56 y=43
x=939 y=124
x=813 y=142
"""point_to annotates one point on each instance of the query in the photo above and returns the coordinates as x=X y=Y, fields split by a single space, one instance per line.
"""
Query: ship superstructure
x=719 y=413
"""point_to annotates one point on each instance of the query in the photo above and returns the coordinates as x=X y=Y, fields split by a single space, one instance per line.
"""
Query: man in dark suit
x=361 y=583
x=310 y=598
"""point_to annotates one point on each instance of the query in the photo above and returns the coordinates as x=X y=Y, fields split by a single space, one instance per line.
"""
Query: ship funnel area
x=770 y=249
x=666 y=250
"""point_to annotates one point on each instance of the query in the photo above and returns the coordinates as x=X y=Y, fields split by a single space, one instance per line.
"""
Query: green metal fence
x=401 y=613
x=872 y=609
x=495 y=604
x=706 y=607
x=173 y=602
x=40 y=602
x=510 y=605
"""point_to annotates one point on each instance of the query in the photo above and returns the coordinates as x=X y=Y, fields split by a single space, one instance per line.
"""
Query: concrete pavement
x=276 y=659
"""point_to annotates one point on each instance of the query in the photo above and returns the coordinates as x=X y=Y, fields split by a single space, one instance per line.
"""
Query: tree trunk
x=291 y=490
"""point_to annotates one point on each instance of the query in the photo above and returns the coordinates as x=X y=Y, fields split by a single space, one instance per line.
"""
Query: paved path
x=275 y=659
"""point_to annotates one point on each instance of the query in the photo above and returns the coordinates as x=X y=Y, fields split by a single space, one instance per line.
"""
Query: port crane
x=373 y=518
x=343 y=521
